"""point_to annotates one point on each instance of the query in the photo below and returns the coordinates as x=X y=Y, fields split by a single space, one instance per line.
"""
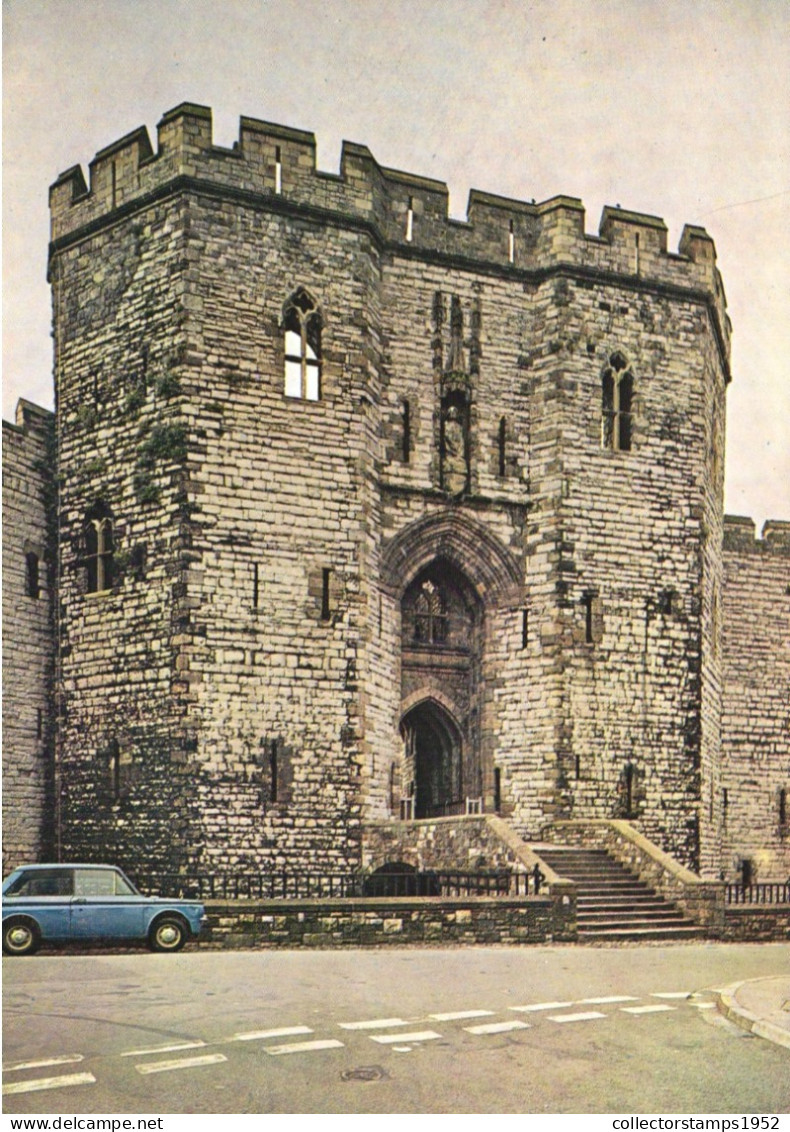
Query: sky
x=679 y=108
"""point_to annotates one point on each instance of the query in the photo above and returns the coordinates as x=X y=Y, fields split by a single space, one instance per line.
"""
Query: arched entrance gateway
x=451 y=576
x=441 y=648
x=434 y=759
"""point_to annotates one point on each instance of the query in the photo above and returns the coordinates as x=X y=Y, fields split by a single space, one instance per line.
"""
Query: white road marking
x=588 y=1017
x=303 y=1047
x=373 y=1024
x=542 y=1006
x=457 y=1015
x=181 y=1063
x=497 y=1027
x=417 y=1036
x=69 y=1059
x=174 y=1048
x=606 y=999
x=671 y=994
x=655 y=1009
x=703 y=1005
x=262 y=1035
x=49 y=1083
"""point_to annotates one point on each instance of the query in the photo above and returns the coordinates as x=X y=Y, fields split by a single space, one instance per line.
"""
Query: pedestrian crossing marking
x=653 y=1009
x=542 y=1006
x=703 y=1005
x=587 y=1016
x=607 y=999
x=173 y=1048
x=303 y=1047
x=68 y=1059
x=498 y=1027
x=459 y=1015
x=417 y=1036
x=49 y=1083
x=262 y=1035
x=180 y=1063
x=671 y=994
x=373 y=1024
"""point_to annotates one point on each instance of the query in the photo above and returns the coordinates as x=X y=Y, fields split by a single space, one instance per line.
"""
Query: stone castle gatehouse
x=369 y=513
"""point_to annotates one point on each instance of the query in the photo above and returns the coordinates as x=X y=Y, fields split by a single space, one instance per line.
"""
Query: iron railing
x=770 y=893
x=288 y=885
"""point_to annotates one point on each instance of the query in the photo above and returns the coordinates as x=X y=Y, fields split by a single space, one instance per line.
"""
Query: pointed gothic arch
x=471 y=548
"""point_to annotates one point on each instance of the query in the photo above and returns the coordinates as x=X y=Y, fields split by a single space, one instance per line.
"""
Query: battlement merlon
x=273 y=166
x=740 y=536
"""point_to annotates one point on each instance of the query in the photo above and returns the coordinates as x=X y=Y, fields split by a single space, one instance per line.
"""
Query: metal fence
x=288 y=885
x=775 y=893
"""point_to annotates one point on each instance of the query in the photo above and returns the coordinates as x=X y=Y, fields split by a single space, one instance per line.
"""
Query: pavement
x=761 y=1006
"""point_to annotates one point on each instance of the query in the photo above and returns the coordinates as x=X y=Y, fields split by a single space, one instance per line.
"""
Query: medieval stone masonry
x=369 y=513
x=28 y=636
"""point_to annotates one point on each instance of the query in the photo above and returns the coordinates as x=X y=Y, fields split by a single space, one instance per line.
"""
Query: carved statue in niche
x=454 y=434
x=455 y=443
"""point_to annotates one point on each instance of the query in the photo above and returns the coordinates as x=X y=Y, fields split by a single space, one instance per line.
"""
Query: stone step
x=612 y=903
x=636 y=904
x=690 y=931
x=609 y=919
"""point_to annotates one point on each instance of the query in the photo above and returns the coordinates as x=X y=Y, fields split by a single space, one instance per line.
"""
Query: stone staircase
x=612 y=903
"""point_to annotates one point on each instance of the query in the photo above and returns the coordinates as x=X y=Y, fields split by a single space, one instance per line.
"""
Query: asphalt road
x=558 y=1029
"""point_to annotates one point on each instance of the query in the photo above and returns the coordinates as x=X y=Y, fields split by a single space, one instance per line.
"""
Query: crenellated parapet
x=740 y=536
x=274 y=167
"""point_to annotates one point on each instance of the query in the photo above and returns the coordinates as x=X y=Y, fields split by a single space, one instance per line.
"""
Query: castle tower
x=369 y=512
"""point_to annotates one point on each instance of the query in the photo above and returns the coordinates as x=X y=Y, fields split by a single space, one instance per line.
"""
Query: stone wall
x=756 y=717
x=469 y=843
x=28 y=635
x=391 y=922
x=757 y=925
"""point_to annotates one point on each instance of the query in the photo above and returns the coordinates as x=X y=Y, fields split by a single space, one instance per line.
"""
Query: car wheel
x=167 y=934
x=20 y=937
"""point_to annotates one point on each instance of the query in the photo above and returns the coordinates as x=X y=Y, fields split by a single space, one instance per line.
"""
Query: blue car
x=86 y=903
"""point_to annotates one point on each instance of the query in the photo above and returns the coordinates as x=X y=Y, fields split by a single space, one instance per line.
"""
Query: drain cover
x=363 y=1073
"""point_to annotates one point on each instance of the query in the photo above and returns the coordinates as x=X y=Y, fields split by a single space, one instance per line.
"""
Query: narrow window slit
x=497 y=789
x=783 y=806
x=326 y=575
x=511 y=244
x=524 y=628
x=629 y=790
x=410 y=220
x=278 y=171
x=406 y=421
x=273 y=771
x=588 y=602
x=32 y=575
x=256 y=586
x=502 y=447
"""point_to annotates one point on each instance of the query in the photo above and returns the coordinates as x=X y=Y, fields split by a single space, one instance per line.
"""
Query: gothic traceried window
x=99 y=554
x=302 y=327
x=617 y=398
x=430 y=615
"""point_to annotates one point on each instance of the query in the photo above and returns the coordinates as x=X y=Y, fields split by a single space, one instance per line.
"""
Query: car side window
x=100 y=882
x=94 y=882
x=43 y=882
